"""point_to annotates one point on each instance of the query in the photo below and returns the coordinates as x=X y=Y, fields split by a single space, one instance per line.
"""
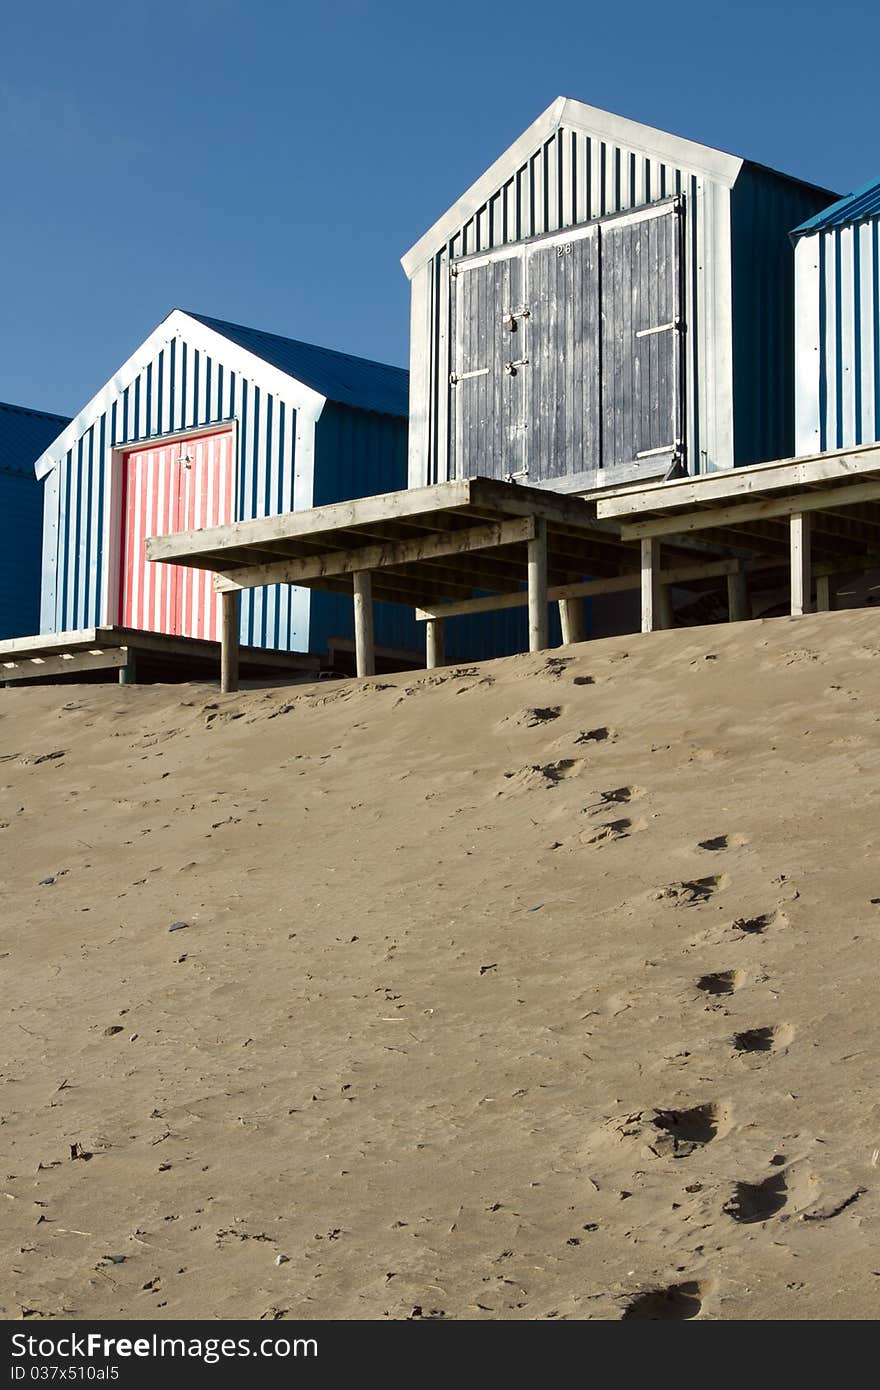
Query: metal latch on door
x=510 y=317
x=675 y=325
x=510 y=367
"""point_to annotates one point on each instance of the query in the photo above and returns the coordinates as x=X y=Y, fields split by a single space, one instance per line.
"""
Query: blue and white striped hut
x=837 y=324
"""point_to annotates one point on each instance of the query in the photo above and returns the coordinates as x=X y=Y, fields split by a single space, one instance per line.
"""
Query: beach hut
x=837 y=324
x=607 y=303
x=24 y=434
x=210 y=422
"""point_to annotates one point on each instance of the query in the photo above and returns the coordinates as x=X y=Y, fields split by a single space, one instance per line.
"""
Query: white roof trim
x=183 y=327
x=673 y=149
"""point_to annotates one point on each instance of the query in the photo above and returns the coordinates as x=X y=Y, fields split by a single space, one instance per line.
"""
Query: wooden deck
x=480 y=544
x=130 y=655
x=434 y=548
x=818 y=516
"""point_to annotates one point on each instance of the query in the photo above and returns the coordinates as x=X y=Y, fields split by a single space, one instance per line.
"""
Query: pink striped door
x=184 y=485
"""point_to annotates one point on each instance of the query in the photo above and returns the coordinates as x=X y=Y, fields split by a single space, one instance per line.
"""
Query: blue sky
x=270 y=163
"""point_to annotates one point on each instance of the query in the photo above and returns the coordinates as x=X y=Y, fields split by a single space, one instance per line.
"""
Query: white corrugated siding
x=838 y=337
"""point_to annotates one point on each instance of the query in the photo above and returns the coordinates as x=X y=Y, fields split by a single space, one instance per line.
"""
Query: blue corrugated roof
x=855 y=207
x=353 y=381
x=24 y=435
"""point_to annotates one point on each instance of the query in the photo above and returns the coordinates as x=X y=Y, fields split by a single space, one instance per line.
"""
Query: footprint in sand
x=615 y=796
x=719 y=842
x=751 y=1202
x=540 y=776
x=674 y=1303
x=756 y=926
x=611 y=830
x=721 y=982
x=757 y=1201
x=694 y=890
x=600 y=735
x=688 y=1130
x=555 y=665
x=532 y=718
x=770 y=1039
x=675 y=1133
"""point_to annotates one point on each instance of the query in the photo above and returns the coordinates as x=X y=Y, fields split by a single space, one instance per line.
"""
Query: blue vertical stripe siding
x=160 y=401
x=357 y=453
x=848 y=347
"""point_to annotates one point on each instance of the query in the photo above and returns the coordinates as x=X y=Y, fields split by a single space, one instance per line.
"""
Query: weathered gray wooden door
x=487 y=387
x=642 y=360
x=563 y=377
x=567 y=362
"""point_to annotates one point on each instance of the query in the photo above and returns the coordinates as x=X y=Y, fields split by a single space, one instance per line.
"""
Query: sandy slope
x=509 y=992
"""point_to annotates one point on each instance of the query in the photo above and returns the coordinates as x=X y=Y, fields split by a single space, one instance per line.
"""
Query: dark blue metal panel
x=24 y=435
x=21 y=513
x=359 y=453
x=764 y=206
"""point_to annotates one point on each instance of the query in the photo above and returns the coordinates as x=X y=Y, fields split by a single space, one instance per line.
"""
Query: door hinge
x=510 y=367
x=512 y=477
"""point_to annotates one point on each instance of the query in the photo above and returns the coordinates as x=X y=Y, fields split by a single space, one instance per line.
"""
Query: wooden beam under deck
x=434 y=547
x=616 y=584
x=370 y=557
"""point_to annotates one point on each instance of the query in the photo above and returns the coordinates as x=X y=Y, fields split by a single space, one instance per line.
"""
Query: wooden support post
x=365 y=651
x=650 y=583
x=229 y=624
x=436 y=655
x=824 y=597
x=572 y=620
x=737 y=597
x=128 y=672
x=537 y=572
x=800 y=563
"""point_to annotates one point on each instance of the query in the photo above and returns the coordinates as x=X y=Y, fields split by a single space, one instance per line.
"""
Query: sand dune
x=543 y=988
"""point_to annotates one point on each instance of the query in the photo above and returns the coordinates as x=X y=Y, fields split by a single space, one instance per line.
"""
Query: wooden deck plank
x=376 y=557
x=730 y=484
x=335 y=516
x=686 y=522
x=29 y=667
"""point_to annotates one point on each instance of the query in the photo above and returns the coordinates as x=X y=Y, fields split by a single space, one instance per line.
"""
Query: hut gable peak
x=301 y=374
x=567 y=113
